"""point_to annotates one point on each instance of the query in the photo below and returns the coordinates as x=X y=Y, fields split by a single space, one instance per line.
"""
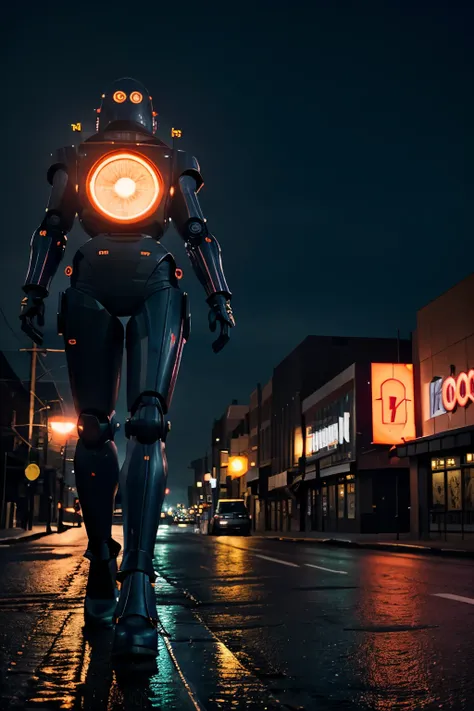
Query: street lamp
x=62 y=427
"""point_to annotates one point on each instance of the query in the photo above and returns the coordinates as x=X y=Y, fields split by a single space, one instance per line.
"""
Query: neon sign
x=332 y=436
x=458 y=391
x=393 y=408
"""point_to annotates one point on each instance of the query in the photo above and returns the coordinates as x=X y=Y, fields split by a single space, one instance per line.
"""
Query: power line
x=10 y=326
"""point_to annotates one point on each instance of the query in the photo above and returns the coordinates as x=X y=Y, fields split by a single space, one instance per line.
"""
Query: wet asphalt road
x=247 y=624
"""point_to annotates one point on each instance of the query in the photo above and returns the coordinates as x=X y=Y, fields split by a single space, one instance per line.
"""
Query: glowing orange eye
x=136 y=97
x=68 y=271
x=119 y=97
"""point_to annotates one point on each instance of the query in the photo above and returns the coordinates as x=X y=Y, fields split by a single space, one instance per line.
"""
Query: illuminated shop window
x=469 y=489
x=454 y=490
x=340 y=500
x=351 y=500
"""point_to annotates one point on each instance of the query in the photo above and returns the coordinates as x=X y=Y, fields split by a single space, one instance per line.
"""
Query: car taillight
x=217 y=517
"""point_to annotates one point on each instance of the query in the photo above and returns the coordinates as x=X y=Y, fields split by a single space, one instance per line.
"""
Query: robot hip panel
x=123 y=273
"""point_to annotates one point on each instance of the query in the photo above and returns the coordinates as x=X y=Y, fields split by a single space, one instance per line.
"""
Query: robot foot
x=101 y=594
x=136 y=634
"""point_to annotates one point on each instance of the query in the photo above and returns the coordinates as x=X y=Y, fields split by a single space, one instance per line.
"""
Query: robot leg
x=94 y=346
x=155 y=339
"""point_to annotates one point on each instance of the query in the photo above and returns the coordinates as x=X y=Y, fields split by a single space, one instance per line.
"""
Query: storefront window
x=332 y=499
x=325 y=501
x=454 y=490
x=351 y=500
x=438 y=489
x=340 y=501
x=469 y=489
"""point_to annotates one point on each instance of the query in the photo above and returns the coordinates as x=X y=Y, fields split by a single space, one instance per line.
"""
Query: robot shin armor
x=143 y=481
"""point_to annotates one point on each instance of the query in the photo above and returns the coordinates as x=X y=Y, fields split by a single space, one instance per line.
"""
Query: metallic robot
x=126 y=186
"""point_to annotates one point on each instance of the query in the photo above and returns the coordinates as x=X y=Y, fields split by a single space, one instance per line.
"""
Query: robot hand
x=32 y=306
x=221 y=312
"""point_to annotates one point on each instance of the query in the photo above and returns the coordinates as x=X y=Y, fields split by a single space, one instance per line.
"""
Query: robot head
x=126 y=105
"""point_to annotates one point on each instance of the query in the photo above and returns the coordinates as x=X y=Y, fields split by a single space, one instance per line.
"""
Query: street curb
x=393 y=547
x=33 y=537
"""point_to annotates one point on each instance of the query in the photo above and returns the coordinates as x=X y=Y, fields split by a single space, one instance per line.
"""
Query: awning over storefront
x=443 y=441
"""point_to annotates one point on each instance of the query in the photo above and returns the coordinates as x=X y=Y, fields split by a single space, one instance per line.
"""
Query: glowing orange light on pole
x=62 y=425
x=238 y=466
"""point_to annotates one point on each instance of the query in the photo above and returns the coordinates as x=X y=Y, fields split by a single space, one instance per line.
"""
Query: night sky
x=335 y=141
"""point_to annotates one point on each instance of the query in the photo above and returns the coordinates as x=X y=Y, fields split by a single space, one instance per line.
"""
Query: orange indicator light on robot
x=136 y=97
x=208 y=239
x=68 y=271
x=103 y=252
x=43 y=233
x=145 y=254
x=119 y=97
x=179 y=273
x=124 y=187
x=72 y=341
x=171 y=191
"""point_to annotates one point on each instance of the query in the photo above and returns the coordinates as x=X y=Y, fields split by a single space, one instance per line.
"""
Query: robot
x=126 y=186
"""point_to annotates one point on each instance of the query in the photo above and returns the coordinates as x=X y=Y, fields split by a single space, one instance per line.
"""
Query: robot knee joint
x=147 y=422
x=95 y=428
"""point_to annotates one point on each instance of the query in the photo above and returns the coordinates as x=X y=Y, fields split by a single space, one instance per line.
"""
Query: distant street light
x=199 y=484
x=61 y=425
x=238 y=466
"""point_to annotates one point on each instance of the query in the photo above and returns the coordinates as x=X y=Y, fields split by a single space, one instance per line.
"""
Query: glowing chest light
x=124 y=187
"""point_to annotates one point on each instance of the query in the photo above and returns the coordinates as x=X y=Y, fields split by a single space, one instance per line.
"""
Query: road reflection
x=392 y=644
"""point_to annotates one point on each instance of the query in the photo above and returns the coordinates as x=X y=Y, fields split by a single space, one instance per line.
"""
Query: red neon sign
x=458 y=391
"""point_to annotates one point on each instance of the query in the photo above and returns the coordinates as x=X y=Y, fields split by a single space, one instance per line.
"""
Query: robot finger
x=32 y=332
x=212 y=321
x=224 y=337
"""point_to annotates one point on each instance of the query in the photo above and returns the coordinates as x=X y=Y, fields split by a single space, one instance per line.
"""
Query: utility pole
x=34 y=356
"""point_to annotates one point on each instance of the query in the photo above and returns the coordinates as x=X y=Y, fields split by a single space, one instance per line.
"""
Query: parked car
x=231 y=517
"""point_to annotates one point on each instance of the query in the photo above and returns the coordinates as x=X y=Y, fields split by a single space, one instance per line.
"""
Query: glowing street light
x=62 y=425
x=199 y=484
x=238 y=466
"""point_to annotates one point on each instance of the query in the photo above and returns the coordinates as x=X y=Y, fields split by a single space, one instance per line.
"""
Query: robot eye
x=119 y=97
x=136 y=97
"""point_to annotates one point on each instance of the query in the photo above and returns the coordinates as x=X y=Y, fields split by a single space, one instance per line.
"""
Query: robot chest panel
x=123 y=187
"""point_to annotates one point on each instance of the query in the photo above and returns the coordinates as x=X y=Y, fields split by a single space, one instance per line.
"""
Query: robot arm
x=202 y=247
x=47 y=245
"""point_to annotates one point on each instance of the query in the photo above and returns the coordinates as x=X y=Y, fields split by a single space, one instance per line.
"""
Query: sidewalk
x=9 y=536
x=454 y=546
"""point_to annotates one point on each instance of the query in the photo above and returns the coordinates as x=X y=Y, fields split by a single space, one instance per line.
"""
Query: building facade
x=442 y=458
x=315 y=362
x=220 y=447
x=349 y=483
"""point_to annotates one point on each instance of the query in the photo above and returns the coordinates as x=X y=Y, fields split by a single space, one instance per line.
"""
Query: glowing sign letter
x=76 y=126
